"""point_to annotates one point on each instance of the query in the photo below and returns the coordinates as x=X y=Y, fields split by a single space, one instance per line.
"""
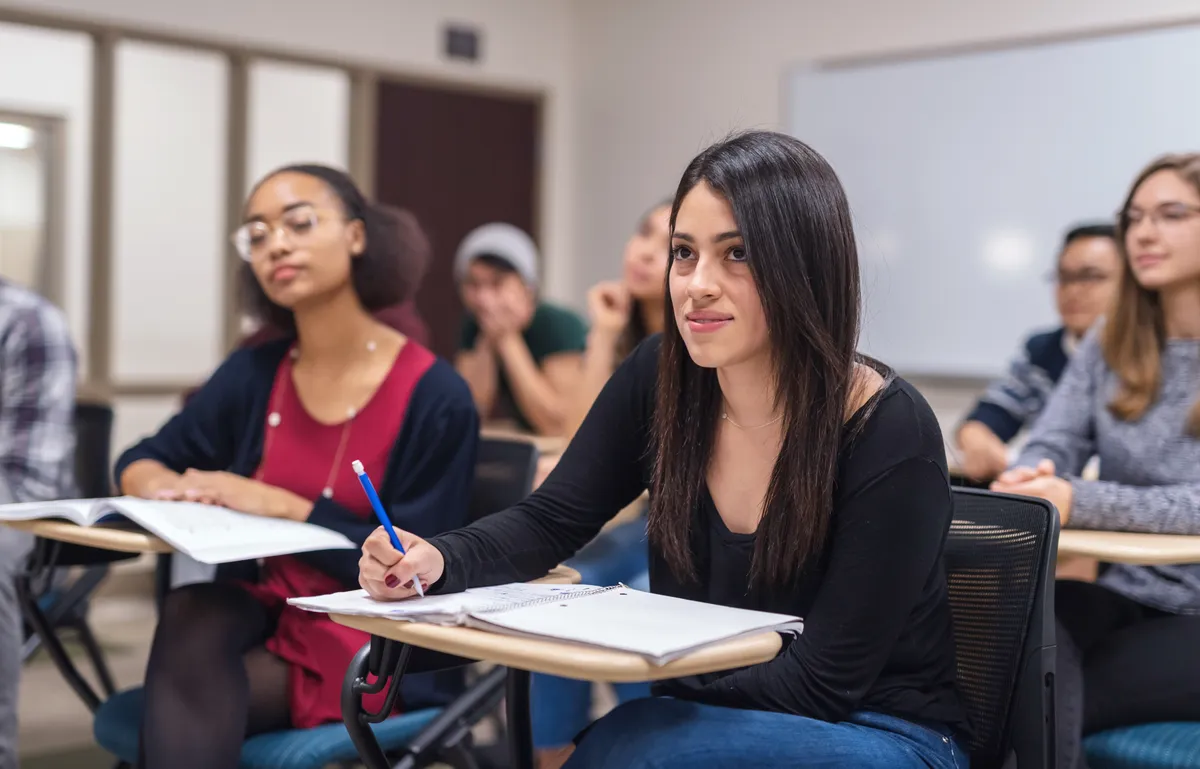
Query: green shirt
x=552 y=330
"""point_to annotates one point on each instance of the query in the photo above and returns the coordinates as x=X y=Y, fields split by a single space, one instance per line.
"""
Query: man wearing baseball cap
x=521 y=357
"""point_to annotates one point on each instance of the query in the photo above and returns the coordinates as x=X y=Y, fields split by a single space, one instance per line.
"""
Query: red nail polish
x=391 y=581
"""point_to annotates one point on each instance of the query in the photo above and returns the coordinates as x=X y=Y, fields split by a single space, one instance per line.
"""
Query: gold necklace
x=725 y=416
x=274 y=419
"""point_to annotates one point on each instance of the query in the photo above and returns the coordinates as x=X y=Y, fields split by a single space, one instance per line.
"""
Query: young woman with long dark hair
x=786 y=473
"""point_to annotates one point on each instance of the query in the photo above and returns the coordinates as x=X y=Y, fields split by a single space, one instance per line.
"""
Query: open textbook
x=658 y=627
x=207 y=533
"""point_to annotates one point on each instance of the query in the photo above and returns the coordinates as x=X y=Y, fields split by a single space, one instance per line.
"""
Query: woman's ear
x=356 y=233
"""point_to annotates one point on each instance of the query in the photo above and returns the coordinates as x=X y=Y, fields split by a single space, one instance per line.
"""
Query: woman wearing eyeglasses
x=273 y=433
x=1127 y=643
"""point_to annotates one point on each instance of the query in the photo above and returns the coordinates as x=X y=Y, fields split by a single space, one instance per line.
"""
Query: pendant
x=327 y=493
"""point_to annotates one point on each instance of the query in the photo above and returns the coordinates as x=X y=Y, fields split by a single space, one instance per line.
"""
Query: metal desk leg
x=358 y=719
x=520 y=725
x=41 y=562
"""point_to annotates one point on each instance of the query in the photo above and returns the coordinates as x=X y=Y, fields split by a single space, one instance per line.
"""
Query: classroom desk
x=124 y=540
x=42 y=562
x=522 y=656
x=547 y=445
x=1126 y=547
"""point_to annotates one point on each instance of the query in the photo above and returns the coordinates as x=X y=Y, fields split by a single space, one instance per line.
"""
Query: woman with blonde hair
x=1131 y=395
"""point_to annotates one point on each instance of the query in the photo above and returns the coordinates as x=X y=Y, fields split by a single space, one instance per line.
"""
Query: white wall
x=527 y=44
x=22 y=214
x=634 y=87
x=297 y=115
x=660 y=80
x=22 y=195
x=63 y=89
x=169 y=231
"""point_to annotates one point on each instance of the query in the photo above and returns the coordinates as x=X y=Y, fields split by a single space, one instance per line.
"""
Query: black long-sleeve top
x=877 y=632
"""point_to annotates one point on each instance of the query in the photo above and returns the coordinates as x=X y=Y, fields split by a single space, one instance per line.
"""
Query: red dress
x=308 y=457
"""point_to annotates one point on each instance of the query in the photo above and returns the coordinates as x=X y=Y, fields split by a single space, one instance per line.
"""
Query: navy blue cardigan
x=429 y=470
x=1014 y=402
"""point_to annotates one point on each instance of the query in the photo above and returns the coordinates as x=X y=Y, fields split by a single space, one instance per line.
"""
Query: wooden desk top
x=563 y=659
x=586 y=663
x=101 y=536
x=559 y=575
x=1125 y=547
x=547 y=445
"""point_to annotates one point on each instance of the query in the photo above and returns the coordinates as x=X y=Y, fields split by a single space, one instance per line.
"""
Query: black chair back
x=1000 y=558
x=93 y=424
x=93 y=449
x=504 y=472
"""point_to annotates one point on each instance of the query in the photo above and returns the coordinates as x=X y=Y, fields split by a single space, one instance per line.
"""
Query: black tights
x=210 y=682
x=1120 y=663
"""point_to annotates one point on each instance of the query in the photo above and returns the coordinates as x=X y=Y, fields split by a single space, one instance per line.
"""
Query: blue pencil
x=382 y=515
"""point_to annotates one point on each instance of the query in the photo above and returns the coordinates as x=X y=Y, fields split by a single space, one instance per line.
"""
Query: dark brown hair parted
x=795 y=221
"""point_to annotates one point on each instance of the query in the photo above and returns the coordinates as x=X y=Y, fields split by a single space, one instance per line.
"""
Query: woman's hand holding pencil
x=394 y=563
x=387 y=574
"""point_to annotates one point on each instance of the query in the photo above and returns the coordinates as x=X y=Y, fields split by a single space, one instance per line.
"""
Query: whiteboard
x=964 y=171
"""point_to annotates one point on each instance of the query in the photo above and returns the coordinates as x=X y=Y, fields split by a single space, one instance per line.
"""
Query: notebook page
x=79 y=511
x=658 y=627
x=451 y=608
x=215 y=535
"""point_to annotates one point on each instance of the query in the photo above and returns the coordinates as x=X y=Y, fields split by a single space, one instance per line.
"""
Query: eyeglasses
x=1167 y=213
x=1085 y=278
x=253 y=239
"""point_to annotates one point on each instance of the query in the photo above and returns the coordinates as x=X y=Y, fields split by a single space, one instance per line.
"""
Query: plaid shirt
x=37 y=399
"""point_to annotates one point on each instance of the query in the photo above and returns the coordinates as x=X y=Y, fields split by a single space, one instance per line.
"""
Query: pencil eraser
x=358 y=467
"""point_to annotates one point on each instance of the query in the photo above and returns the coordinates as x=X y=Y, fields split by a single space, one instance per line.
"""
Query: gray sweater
x=1149 y=469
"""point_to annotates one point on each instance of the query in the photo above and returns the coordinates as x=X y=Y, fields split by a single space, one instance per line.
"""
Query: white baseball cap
x=501 y=240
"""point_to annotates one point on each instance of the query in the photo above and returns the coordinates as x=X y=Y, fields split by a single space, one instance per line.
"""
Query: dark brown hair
x=1135 y=334
x=794 y=218
x=386 y=273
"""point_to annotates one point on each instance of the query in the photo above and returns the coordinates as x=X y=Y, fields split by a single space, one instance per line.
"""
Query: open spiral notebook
x=657 y=627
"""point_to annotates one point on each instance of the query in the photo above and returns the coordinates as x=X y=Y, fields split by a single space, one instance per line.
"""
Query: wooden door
x=457 y=159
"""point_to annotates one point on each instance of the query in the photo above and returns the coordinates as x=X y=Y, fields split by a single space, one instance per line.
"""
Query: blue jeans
x=561 y=707
x=665 y=733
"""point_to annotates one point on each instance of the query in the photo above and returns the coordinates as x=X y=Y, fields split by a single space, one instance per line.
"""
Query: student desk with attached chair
x=117 y=716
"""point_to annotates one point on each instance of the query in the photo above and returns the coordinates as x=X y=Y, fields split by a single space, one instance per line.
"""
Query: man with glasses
x=1085 y=281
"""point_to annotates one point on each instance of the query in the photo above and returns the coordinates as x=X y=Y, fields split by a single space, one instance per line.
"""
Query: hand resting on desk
x=150 y=480
x=387 y=574
x=1039 y=482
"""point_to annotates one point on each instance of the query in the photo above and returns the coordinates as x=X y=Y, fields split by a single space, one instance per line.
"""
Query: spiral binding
x=546 y=599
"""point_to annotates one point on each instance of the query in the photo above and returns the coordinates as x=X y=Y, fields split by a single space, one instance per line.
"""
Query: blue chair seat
x=1174 y=745
x=119 y=718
